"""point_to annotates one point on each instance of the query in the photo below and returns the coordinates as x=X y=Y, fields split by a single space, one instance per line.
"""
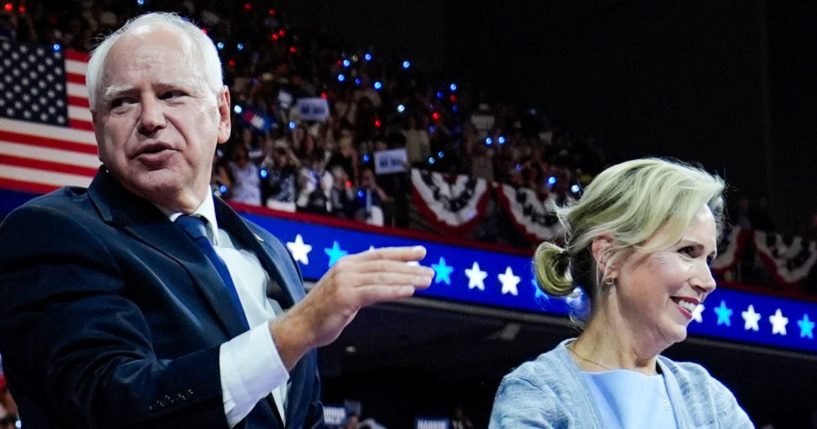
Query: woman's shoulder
x=547 y=369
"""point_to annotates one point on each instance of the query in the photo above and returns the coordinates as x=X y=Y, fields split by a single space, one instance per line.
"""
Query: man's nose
x=152 y=117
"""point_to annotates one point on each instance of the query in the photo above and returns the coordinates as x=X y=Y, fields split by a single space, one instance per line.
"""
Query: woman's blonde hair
x=629 y=202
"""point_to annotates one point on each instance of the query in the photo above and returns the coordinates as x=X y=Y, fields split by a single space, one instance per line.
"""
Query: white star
x=779 y=322
x=697 y=314
x=750 y=319
x=300 y=250
x=476 y=277
x=509 y=282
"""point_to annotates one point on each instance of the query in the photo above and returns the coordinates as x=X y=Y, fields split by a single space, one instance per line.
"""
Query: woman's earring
x=610 y=280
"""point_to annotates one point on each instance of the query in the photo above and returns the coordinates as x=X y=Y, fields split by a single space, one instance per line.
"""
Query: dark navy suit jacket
x=111 y=317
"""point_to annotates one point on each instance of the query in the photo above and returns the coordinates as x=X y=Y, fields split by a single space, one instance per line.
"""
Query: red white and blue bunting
x=530 y=215
x=453 y=204
x=789 y=262
x=731 y=247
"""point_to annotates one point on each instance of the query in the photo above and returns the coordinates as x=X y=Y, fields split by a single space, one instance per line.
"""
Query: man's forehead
x=154 y=38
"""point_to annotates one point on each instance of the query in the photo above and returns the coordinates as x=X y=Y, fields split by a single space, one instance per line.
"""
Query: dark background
x=729 y=84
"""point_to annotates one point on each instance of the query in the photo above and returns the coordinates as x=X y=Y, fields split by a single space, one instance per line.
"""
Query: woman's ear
x=600 y=249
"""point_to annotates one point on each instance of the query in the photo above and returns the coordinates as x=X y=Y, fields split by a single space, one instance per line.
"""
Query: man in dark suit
x=143 y=301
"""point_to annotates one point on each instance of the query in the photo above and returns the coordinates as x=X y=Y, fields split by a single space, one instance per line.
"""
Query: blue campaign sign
x=504 y=280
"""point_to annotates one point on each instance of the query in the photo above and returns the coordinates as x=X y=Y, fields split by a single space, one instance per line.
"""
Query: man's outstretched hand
x=354 y=282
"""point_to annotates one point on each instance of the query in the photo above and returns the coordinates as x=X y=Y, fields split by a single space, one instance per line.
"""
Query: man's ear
x=225 y=120
x=600 y=249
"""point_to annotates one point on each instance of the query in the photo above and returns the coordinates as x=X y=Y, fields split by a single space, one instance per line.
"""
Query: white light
x=401 y=108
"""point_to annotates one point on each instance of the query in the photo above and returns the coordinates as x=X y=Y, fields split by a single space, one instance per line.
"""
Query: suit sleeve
x=76 y=349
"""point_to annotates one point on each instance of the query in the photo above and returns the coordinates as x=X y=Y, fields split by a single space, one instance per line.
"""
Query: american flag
x=46 y=136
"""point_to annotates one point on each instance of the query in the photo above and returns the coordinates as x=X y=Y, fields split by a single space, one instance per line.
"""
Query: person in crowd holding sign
x=143 y=301
x=638 y=245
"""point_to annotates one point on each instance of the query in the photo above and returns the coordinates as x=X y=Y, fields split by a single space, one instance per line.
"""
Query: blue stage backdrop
x=505 y=280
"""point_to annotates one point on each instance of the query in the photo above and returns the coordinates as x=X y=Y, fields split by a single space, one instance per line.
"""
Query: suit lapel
x=280 y=288
x=147 y=224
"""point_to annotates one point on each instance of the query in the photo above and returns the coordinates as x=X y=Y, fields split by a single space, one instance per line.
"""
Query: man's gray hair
x=204 y=50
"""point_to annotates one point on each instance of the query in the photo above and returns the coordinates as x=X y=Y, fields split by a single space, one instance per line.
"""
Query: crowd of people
x=376 y=100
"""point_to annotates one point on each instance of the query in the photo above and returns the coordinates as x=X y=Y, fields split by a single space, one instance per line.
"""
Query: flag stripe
x=25 y=186
x=47 y=142
x=40 y=177
x=72 y=55
x=76 y=67
x=81 y=125
x=79 y=102
x=75 y=78
x=79 y=114
x=49 y=154
x=46 y=165
x=50 y=132
x=77 y=90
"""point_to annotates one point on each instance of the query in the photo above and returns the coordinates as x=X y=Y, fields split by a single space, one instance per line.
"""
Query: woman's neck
x=605 y=345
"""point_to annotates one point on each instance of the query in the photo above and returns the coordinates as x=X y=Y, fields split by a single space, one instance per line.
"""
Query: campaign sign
x=334 y=415
x=390 y=161
x=431 y=423
x=313 y=109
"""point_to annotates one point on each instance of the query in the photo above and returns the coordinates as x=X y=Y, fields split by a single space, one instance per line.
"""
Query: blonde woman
x=638 y=244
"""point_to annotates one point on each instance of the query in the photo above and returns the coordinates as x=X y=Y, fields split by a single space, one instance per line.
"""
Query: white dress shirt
x=250 y=365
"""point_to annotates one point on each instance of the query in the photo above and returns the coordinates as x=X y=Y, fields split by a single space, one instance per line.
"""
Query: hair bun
x=552 y=266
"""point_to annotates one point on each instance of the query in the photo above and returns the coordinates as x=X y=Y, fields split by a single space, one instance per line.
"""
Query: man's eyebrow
x=114 y=90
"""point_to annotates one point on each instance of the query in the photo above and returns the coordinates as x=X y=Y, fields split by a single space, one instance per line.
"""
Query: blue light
x=347 y=63
x=431 y=129
x=341 y=78
x=552 y=180
x=140 y=2
x=455 y=108
x=440 y=94
x=366 y=157
x=220 y=46
x=367 y=56
x=440 y=155
x=401 y=108
x=361 y=194
x=453 y=87
x=489 y=141
x=378 y=85
x=237 y=109
x=357 y=81
x=263 y=172
x=575 y=189
x=292 y=125
x=406 y=64
x=240 y=46
x=222 y=189
x=518 y=167
x=57 y=47
x=431 y=160
x=501 y=140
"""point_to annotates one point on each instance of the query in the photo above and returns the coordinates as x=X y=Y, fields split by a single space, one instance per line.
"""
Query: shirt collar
x=206 y=209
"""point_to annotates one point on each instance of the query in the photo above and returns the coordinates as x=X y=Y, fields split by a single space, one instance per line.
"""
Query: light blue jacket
x=551 y=393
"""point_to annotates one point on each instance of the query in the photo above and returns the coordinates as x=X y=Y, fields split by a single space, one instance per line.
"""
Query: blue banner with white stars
x=500 y=280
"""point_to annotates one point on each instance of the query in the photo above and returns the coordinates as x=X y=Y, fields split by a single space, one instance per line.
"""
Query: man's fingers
x=407 y=253
x=374 y=294
x=387 y=266
x=389 y=279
